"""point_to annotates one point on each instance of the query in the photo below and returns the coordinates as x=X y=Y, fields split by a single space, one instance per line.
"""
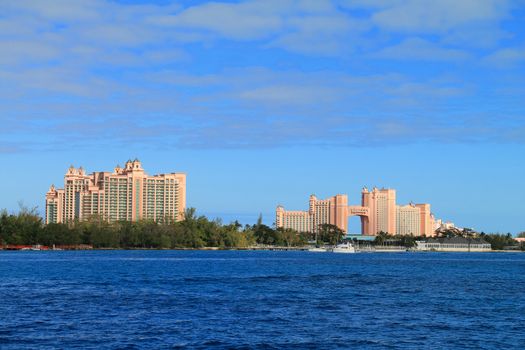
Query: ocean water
x=261 y=300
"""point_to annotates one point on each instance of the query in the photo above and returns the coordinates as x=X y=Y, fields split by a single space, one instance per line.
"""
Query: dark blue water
x=245 y=300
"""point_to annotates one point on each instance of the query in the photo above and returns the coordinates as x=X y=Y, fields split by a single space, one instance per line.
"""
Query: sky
x=265 y=102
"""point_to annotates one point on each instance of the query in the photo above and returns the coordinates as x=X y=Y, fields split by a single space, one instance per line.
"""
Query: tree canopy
x=27 y=228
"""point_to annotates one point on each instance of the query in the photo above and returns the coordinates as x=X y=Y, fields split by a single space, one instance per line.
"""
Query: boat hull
x=343 y=250
x=317 y=250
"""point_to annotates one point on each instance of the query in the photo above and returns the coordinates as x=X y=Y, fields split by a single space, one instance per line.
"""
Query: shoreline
x=254 y=248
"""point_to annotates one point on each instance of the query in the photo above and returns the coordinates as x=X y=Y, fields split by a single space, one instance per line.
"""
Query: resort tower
x=126 y=194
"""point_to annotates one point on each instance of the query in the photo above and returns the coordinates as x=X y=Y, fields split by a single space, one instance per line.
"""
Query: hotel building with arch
x=378 y=212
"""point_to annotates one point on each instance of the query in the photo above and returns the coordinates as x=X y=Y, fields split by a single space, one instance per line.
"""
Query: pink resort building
x=126 y=194
x=408 y=220
x=415 y=219
x=378 y=213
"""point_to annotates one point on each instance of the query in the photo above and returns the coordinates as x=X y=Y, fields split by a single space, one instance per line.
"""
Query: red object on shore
x=25 y=247
x=45 y=247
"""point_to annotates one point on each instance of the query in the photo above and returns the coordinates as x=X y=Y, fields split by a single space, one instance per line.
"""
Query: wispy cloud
x=467 y=23
x=252 y=73
x=258 y=107
x=438 y=16
x=243 y=21
x=506 y=57
x=417 y=49
x=299 y=26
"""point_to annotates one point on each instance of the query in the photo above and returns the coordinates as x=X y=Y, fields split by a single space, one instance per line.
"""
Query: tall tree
x=330 y=233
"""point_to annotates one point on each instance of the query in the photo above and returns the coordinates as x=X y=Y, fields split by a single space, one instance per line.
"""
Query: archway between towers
x=363 y=213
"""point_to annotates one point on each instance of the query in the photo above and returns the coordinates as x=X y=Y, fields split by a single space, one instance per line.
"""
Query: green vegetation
x=330 y=233
x=384 y=238
x=501 y=241
x=27 y=228
x=497 y=241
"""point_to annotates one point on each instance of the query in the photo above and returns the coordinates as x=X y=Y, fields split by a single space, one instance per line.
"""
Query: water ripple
x=260 y=300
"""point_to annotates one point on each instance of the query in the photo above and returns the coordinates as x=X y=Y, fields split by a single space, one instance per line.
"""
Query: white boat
x=318 y=250
x=346 y=247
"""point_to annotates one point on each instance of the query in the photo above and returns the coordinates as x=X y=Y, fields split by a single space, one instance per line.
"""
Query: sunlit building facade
x=426 y=220
x=408 y=220
x=300 y=221
x=126 y=194
x=441 y=225
x=378 y=213
x=320 y=211
x=381 y=204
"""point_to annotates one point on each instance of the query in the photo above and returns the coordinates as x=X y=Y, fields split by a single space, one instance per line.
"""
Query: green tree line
x=26 y=228
x=497 y=241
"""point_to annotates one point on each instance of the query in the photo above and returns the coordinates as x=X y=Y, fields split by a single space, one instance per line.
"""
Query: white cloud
x=291 y=94
x=331 y=35
x=13 y=51
x=506 y=58
x=438 y=16
x=79 y=32
x=421 y=50
x=255 y=107
x=243 y=21
x=166 y=55
x=56 y=10
x=67 y=64
x=465 y=23
x=311 y=27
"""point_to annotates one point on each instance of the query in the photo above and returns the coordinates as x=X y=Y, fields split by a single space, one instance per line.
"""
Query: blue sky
x=265 y=102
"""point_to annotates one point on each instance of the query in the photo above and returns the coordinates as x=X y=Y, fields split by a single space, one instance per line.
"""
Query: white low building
x=454 y=244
